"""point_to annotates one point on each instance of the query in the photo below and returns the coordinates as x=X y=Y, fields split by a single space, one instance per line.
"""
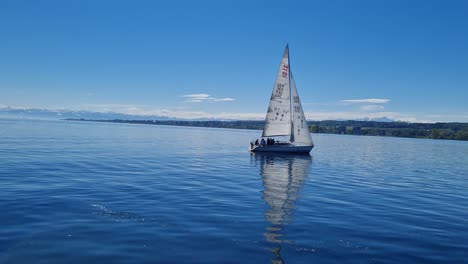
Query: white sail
x=300 y=134
x=278 y=117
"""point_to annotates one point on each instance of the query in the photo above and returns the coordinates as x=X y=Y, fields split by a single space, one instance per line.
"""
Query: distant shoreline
x=452 y=131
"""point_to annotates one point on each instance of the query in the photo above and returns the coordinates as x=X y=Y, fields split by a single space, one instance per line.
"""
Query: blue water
x=83 y=192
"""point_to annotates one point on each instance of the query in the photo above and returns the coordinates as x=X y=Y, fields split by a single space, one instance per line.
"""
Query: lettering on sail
x=301 y=126
x=279 y=90
x=278 y=115
x=285 y=70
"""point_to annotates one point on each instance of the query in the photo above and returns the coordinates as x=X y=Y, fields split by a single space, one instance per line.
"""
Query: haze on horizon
x=218 y=59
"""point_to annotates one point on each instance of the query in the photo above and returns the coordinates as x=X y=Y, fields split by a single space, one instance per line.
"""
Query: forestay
x=278 y=117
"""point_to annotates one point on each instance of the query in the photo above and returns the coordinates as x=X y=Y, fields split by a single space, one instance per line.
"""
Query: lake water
x=83 y=192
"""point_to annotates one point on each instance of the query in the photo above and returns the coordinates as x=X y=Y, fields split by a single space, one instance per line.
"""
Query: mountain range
x=38 y=113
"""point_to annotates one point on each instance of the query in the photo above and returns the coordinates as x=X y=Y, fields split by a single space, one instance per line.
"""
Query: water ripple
x=76 y=192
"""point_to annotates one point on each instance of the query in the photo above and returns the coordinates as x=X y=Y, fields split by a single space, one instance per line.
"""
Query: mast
x=291 y=139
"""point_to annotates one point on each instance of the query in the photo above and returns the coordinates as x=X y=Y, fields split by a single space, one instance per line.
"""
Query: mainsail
x=300 y=134
x=278 y=117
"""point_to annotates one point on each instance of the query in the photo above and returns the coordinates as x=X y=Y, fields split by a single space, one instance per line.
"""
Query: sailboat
x=285 y=118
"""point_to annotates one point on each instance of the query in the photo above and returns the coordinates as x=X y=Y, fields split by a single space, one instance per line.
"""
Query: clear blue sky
x=145 y=56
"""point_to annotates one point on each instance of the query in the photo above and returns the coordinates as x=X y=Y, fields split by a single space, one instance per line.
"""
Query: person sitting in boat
x=256 y=142
x=262 y=142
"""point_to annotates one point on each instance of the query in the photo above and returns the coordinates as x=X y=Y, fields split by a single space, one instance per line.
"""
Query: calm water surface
x=78 y=192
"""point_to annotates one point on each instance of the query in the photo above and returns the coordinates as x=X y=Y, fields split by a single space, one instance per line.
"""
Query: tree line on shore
x=457 y=131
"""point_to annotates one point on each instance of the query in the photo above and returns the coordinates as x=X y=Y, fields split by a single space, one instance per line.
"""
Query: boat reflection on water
x=283 y=176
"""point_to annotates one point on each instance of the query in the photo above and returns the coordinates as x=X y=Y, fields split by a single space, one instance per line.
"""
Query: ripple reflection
x=282 y=176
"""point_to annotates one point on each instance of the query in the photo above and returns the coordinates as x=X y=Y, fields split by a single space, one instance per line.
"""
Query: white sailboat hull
x=284 y=148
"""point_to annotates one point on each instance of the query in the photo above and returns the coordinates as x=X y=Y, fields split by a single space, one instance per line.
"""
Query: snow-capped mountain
x=36 y=113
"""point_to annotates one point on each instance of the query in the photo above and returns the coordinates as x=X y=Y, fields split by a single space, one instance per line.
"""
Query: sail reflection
x=283 y=176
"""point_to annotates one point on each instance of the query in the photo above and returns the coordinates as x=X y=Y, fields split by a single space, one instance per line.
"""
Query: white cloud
x=198 y=98
x=224 y=99
x=366 y=101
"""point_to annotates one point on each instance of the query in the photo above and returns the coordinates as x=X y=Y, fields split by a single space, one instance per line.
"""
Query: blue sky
x=149 y=57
